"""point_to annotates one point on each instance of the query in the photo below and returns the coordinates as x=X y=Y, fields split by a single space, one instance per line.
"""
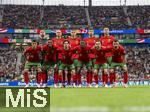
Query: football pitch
x=131 y=99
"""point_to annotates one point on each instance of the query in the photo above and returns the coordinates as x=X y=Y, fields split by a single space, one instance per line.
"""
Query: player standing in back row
x=107 y=41
x=74 y=42
x=57 y=42
x=90 y=43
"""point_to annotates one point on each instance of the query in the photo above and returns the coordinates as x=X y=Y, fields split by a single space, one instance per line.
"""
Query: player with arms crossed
x=32 y=55
x=118 y=59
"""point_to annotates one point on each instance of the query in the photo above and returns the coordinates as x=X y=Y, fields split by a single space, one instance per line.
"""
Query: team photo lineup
x=67 y=57
x=74 y=55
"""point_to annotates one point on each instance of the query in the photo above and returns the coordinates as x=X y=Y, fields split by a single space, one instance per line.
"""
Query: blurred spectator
x=139 y=16
x=138 y=61
x=110 y=16
x=36 y=16
x=8 y=59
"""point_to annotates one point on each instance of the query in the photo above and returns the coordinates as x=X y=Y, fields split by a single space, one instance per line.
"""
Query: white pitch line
x=137 y=109
x=79 y=109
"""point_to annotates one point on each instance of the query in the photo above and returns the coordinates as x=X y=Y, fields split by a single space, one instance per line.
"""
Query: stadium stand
x=8 y=59
x=30 y=16
x=114 y=17
x=139 y=16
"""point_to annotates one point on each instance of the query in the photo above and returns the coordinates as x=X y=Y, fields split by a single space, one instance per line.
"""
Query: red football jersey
x=100 y=56
x=119 y=55
x=107 y=41
x=66 y=55
x=58 y=43
x=49 y=53
x=91 y=42
x=33 y=55
x=83 y=53
x=74 y=43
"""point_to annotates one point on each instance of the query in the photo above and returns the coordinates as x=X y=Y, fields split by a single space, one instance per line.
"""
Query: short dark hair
x=116 y=40
x=66 y=41
x=34 y=40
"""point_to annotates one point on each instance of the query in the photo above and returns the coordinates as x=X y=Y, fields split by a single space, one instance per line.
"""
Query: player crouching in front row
x=118 y=59
x=32 y=55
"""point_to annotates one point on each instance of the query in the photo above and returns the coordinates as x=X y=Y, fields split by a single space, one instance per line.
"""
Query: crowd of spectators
x=21 y=16
x=139 y=16
x=114 y=17
x=38 y=16
x=110 y=16
x=8 y=59
x=138 y=62
x=64 y=15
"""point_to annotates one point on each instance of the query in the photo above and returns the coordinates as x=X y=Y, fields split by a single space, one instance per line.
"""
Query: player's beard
x=34 y=47
x=91 y=35
x=73 y=37
x=98 y=48
x=106 y=34
x=66 y=48
x=50 y=46
x=116 y=47
x=58 y=37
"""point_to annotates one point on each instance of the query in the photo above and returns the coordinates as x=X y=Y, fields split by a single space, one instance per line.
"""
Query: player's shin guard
x=44 y=77
x=105 y=78
x=69 y=78
x=79 y=78
x=64 y=77
x=125 y=77
x=55 y=78
x=74 y=78
x=89 y=77
x=96 y=79
x=39 y=77
x=60 y=78
x=111 y=78
x=26 y=79
x=114 y=77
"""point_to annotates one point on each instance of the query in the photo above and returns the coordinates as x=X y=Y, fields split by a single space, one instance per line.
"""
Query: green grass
x=114 y=99
x=106 y=99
